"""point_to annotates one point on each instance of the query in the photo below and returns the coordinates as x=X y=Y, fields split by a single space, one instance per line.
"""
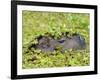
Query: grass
x=39 y=23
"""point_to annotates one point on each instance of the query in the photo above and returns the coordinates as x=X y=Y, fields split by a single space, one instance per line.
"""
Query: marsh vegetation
x=60 y=29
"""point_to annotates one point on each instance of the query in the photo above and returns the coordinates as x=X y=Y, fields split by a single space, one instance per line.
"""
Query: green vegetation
x=39 y=23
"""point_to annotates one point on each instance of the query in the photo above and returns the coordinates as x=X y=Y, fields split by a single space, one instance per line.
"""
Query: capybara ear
x=39 y=37
x=66 y=33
